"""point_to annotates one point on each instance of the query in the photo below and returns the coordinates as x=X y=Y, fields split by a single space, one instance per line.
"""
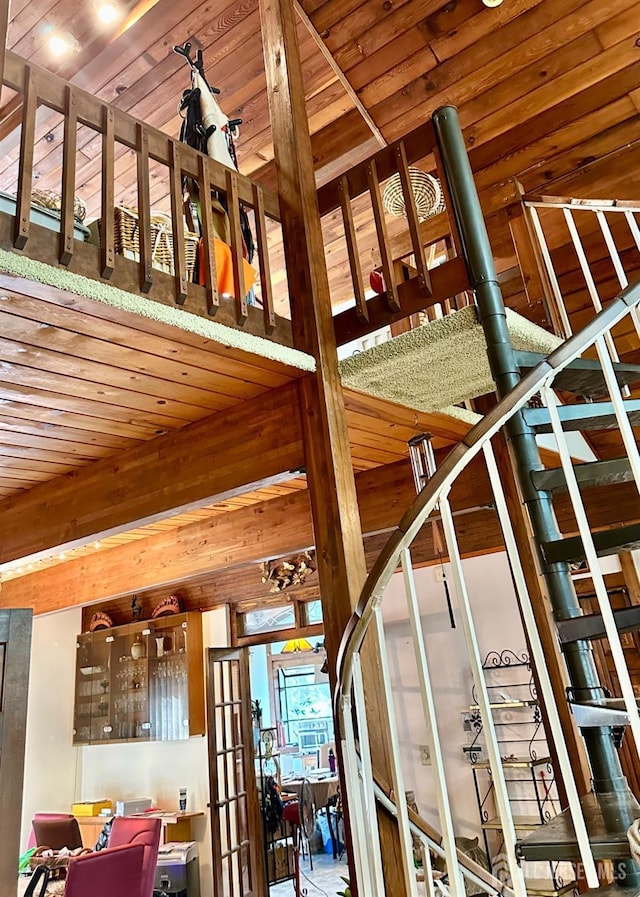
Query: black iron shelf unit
x=526 y=763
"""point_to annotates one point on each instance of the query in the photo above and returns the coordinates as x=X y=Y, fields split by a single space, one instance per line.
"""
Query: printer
x=178 y=871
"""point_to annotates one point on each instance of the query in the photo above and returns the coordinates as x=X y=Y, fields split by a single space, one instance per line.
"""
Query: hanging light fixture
x=423 y=466
x=427 y=193
x=294 y=645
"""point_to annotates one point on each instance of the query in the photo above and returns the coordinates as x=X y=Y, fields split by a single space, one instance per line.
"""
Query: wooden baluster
x=4 y=24
x=67 y=219
x=107 y=228
x=352 y=250
x=383 y=238
x=25 y=170
x=263 y=257
x=144 y=209
x=412 y=218
x=208 y=235
x=233 y=210
x=177 y=223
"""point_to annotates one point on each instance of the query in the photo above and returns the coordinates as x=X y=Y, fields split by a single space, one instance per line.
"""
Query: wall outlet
x=440 y=574
x=425 y=755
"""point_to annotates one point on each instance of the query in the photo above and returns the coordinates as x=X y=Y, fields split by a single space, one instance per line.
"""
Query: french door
x=236 y=827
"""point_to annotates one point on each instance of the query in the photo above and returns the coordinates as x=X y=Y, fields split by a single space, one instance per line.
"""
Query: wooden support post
x=334 y=507
x=545 y=626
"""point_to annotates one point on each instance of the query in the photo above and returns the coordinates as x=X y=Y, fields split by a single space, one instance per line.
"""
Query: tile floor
x=323 y=880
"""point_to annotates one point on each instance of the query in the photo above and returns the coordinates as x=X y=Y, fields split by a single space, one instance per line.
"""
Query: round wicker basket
x=426 y=191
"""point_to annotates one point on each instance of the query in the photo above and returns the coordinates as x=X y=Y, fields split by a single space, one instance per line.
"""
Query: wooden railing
x=352 y=209
x=119 y=134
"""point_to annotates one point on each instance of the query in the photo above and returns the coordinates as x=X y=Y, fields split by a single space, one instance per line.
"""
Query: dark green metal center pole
x=603 y=757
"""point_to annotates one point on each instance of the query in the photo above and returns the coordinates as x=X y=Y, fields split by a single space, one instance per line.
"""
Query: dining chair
x=105 y=873
x=144 y=830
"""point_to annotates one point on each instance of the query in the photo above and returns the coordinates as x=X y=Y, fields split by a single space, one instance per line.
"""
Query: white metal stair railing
x=351 y=698
x=604 y=211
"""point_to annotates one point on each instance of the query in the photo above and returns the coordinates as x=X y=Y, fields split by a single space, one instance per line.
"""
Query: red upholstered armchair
x=143 y=830
x=116 y=871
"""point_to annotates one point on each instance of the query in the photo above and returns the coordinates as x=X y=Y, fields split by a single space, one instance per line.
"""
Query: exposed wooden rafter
x=232 y=452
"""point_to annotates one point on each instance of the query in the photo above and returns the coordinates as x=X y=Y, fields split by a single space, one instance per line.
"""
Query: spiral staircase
x=581 y=386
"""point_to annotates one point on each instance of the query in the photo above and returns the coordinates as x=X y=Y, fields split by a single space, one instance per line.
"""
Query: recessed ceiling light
x=108 y=13
x=60 y=44
x=492 y=3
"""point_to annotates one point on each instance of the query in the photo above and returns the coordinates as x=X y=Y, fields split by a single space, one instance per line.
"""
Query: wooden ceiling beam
x=283 y=526
x=213 y=459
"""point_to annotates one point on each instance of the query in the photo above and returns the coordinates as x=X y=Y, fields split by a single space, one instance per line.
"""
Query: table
x=321 y=788
x=175 y=826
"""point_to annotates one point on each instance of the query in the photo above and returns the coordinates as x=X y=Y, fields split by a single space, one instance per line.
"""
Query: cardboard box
x=90 y=807
x=281 y=861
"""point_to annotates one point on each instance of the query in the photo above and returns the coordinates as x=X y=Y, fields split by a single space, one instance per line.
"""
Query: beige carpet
x=439 y=364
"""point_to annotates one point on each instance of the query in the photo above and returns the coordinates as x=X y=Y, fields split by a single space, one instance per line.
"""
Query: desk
x=175 y=826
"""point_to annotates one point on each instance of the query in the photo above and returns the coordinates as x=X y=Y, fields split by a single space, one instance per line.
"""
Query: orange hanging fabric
x=224 y=268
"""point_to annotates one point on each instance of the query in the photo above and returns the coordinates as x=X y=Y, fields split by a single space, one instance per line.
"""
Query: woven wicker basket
x=49 y=199
x=127 y=240
x=427 y=192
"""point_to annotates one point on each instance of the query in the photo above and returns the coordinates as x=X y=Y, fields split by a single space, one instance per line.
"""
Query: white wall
x=57 y=774
x=498 y=627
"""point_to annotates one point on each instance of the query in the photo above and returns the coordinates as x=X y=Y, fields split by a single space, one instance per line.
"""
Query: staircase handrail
x=456 y=461
x=432 y=839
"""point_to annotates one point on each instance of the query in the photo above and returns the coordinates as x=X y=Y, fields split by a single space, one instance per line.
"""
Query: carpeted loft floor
x=439 y=364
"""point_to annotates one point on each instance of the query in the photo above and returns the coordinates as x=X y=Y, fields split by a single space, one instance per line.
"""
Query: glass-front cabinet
x=140 y=682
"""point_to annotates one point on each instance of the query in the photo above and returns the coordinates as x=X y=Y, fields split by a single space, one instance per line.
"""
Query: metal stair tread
x=610 y=541
x=583 y=376
x=592 y=473
x=607 y=817
x=601 y=712
x=582 y=416
x=590 y=626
